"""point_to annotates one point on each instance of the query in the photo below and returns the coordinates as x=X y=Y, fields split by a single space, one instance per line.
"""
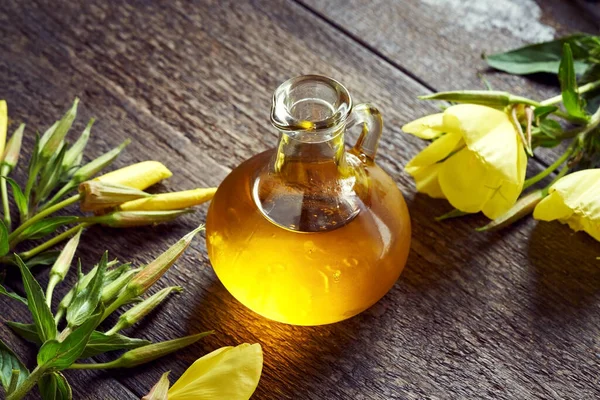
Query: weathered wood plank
x=440 y=42
x=500 y=315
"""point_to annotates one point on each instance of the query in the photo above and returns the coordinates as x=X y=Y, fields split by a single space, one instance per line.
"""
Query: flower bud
x=151 y=352
x=3 y=124
x=97 y=195
x=153 y=271
x=140 y=310
x=160 y=390
x=93 y=167
x=138 y=176
x=170 y=201
x=63 y=262
x=46 y=136
x=111 y=290
x=55 y=139
x=128 y=219
x=491 y=98
x=75 y=152
x=13 y=148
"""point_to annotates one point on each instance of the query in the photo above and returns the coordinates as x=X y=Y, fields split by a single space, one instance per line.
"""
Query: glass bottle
x=309 y=233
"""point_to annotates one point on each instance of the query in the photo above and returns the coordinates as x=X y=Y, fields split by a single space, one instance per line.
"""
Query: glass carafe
x=309 y=233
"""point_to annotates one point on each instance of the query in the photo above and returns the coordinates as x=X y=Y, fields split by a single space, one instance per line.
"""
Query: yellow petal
x=426 y=181
x=466 y=182
x=575 y=200
x=435 y=152
x=491 y=135
x=139 y=176
x=230 y=373
x=428 y=127
x=170 y=201
x=3 y=124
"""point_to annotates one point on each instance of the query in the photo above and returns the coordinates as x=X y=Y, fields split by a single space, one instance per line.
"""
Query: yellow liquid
x=306 y=278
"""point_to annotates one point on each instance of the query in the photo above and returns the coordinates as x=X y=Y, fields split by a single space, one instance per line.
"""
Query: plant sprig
x=95 y=296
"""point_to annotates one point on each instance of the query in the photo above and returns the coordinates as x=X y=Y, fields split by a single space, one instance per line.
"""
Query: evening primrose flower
x=170 y=201
x=139 y=176
x=227 y=373
x=476 y=162
x=574 y=200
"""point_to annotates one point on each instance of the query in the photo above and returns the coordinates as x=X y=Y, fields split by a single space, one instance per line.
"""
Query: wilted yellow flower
x=170 y=201
x=230 y=373
x=96 y=195
x=574 y=200
x=139 y=176
x=3 y=124
x=477 y=161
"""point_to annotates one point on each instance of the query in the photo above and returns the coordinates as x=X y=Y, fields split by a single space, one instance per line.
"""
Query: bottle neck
x=300 y=152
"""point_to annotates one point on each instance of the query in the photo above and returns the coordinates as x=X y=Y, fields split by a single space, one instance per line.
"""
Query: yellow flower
x=138 y=176
x=230 y=373
x=170 y=201
x=574 y=200
x=3 y=124
x=477 y=161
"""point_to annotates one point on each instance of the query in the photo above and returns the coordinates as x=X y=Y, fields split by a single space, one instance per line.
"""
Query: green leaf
x=45 y=227
x=542 y=112
x=12 y=295
x=51 y=175
x=54 y=386
x=42 y=316
x=4 y=246
x=45 y=258
x=551 y=128
x=57 y=355
x=101 y=343
x=9 y=362
x=88 y=298
x=544 y=57
x=20 y=199
x=26 y=331
x=568 y=85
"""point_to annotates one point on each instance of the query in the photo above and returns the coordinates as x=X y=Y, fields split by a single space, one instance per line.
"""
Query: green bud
x=93 y=167
x=13 y=148
x=111 y=291
x=97 y=196
x=523 y=207
x=46 y=136
x=160 y=390
x=55 y=139
x=63 y=262
x=75 y=152
x=127 y=219
x=140 y=310
x=151 y=352
x=491 y=98
x=153 y=271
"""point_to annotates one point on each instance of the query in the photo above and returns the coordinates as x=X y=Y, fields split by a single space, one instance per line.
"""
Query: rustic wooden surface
x=505 y=315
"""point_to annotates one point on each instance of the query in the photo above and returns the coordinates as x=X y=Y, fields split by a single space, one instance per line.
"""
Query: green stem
x=64 y=190
x=123 y=298
x=106 y=365
x=50 y=289
x=42 y=215
x=588 y=87
x=5 y=204
x=22 y=390
x=535 y=179
x=57 y=239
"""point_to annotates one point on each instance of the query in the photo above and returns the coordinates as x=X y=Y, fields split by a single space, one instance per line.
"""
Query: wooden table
x=506 y=315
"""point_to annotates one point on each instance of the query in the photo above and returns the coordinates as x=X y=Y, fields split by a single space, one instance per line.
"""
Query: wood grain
x=440 y=42
x=506 y=315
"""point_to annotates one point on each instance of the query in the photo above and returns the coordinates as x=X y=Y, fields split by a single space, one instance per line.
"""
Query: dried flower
x=227 y=373
x=170 y=201
x=139 y=176
x=96 y=195
x=478 y=164
x=574 y=200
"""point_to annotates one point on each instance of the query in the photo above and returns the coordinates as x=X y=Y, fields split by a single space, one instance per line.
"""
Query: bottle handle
x=370 y=117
